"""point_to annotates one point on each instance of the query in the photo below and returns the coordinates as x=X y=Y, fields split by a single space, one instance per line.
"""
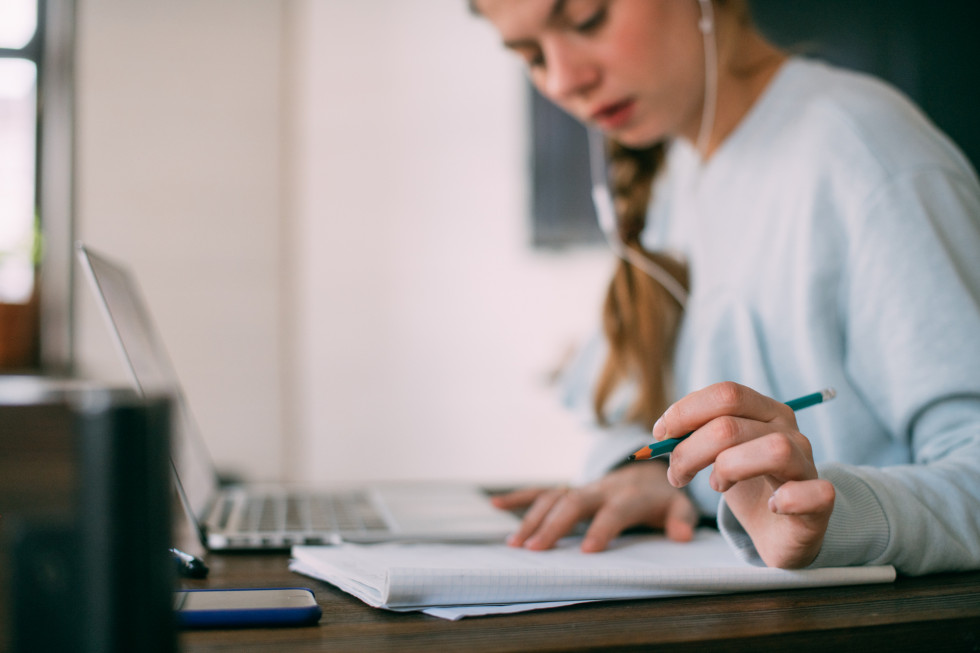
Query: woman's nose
x=568 y=72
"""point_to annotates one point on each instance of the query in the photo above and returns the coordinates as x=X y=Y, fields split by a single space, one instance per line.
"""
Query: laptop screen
x=150 y=369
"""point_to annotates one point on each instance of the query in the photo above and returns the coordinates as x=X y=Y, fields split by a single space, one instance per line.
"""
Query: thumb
x=682 y=519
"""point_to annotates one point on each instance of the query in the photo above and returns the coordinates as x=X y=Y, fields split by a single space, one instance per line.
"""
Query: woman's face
x=633 y=68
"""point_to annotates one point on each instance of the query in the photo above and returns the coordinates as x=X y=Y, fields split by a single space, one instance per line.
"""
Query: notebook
x=454 y=581
x=273 y=516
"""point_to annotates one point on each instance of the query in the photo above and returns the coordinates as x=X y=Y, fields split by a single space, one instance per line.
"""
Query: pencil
x=666 y=446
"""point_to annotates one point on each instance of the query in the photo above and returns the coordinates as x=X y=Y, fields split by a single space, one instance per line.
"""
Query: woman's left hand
x=762 y=464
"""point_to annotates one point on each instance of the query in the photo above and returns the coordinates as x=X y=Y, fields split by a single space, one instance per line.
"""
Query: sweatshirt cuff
x=858 y=531
x=609 y=451
x=857 y=534
x=736 y=536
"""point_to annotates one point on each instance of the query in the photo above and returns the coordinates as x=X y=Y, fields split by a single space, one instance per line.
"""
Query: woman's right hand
x=637 y=494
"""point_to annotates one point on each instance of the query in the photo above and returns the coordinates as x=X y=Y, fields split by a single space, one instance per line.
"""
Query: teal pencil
x=666 y=446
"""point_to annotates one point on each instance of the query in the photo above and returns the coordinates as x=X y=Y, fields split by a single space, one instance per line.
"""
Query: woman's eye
x=592 y=23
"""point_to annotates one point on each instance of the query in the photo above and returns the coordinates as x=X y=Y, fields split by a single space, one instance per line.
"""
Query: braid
x=640 y=317
x=631 y=178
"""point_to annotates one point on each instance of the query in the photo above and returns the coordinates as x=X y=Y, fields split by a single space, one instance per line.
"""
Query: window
x=18 y=153
x=562 y=213
x=36 y=190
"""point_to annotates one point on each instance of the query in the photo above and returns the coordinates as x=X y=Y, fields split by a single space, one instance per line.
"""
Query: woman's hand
x=762 y=463
x=633 y=495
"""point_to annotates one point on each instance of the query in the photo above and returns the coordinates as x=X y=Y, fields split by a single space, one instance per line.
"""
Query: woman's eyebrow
x=557 y=9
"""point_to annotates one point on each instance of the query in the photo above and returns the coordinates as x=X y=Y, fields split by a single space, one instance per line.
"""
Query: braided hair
x=639 y=317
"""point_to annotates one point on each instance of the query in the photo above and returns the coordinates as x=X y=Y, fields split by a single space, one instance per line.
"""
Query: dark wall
x=930 y=50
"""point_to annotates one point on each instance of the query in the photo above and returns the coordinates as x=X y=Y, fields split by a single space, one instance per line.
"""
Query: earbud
x=707 y=22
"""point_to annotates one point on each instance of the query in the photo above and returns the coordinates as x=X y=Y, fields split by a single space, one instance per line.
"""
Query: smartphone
x=245 y=608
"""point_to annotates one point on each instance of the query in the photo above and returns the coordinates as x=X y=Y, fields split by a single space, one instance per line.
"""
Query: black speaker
x=84 y=519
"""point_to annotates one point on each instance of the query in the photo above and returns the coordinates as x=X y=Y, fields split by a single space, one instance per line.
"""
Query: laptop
x=271 y=516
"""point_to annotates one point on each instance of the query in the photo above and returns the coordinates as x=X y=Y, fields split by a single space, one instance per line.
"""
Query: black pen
x=189 y=566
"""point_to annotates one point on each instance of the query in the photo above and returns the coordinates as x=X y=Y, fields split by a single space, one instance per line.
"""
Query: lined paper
x=453 y=580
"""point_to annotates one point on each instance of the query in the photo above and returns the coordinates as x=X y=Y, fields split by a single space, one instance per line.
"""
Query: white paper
x=455 y=580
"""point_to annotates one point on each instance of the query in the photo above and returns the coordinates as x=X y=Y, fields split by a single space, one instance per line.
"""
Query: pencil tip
x=631 y=458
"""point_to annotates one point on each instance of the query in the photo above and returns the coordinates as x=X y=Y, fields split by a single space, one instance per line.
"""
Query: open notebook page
x=421 y=576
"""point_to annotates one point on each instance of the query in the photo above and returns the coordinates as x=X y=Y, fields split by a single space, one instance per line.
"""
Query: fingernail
x=772 y=502
x=659 y=424
x=670 y=477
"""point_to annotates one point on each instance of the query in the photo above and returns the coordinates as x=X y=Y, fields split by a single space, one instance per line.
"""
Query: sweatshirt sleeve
x=922 y=518
x=610 y=444
x=912 y=325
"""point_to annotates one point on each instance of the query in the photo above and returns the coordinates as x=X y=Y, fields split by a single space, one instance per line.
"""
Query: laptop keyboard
x=349 y=512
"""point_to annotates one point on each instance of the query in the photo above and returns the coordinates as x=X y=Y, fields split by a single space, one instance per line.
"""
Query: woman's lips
x=614 y=115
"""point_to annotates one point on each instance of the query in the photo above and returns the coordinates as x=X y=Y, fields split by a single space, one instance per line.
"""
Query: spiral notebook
x=454 y=581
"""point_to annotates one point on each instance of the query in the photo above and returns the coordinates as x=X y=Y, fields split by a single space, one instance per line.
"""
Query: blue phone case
x=250 y=617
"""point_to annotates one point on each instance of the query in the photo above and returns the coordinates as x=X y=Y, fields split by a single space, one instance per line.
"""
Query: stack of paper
x=457 y=580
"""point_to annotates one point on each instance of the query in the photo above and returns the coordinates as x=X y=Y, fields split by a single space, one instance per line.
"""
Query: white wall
x=326 y=201
x=179 y=165
x=427 y=323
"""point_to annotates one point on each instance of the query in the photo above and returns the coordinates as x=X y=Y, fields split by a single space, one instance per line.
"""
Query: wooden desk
x=937 y=613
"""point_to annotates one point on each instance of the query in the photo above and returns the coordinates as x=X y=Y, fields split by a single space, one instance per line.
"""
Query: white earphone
x=707 y=27
x=602 y=197
x=606 y=213
x=707 y=22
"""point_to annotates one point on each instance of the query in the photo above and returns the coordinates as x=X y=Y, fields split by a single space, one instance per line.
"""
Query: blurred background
x=326 y=205
x=339 y=213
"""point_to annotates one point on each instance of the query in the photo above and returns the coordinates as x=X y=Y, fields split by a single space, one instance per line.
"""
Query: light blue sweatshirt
x=834 y=240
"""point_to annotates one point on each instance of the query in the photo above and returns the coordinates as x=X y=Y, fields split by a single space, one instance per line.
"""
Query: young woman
x=799 y=227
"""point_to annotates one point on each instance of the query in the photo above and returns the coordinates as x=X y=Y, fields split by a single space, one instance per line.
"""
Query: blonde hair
x=639 y=317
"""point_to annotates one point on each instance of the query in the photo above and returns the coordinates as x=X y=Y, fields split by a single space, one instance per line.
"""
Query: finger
x=681 y=520
x=706 y=445
x=776 y=455
x=568 y=510
x=609 y=521
x=814 y=498
x=517 y=498
x=718 y=400
x=535 y=515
